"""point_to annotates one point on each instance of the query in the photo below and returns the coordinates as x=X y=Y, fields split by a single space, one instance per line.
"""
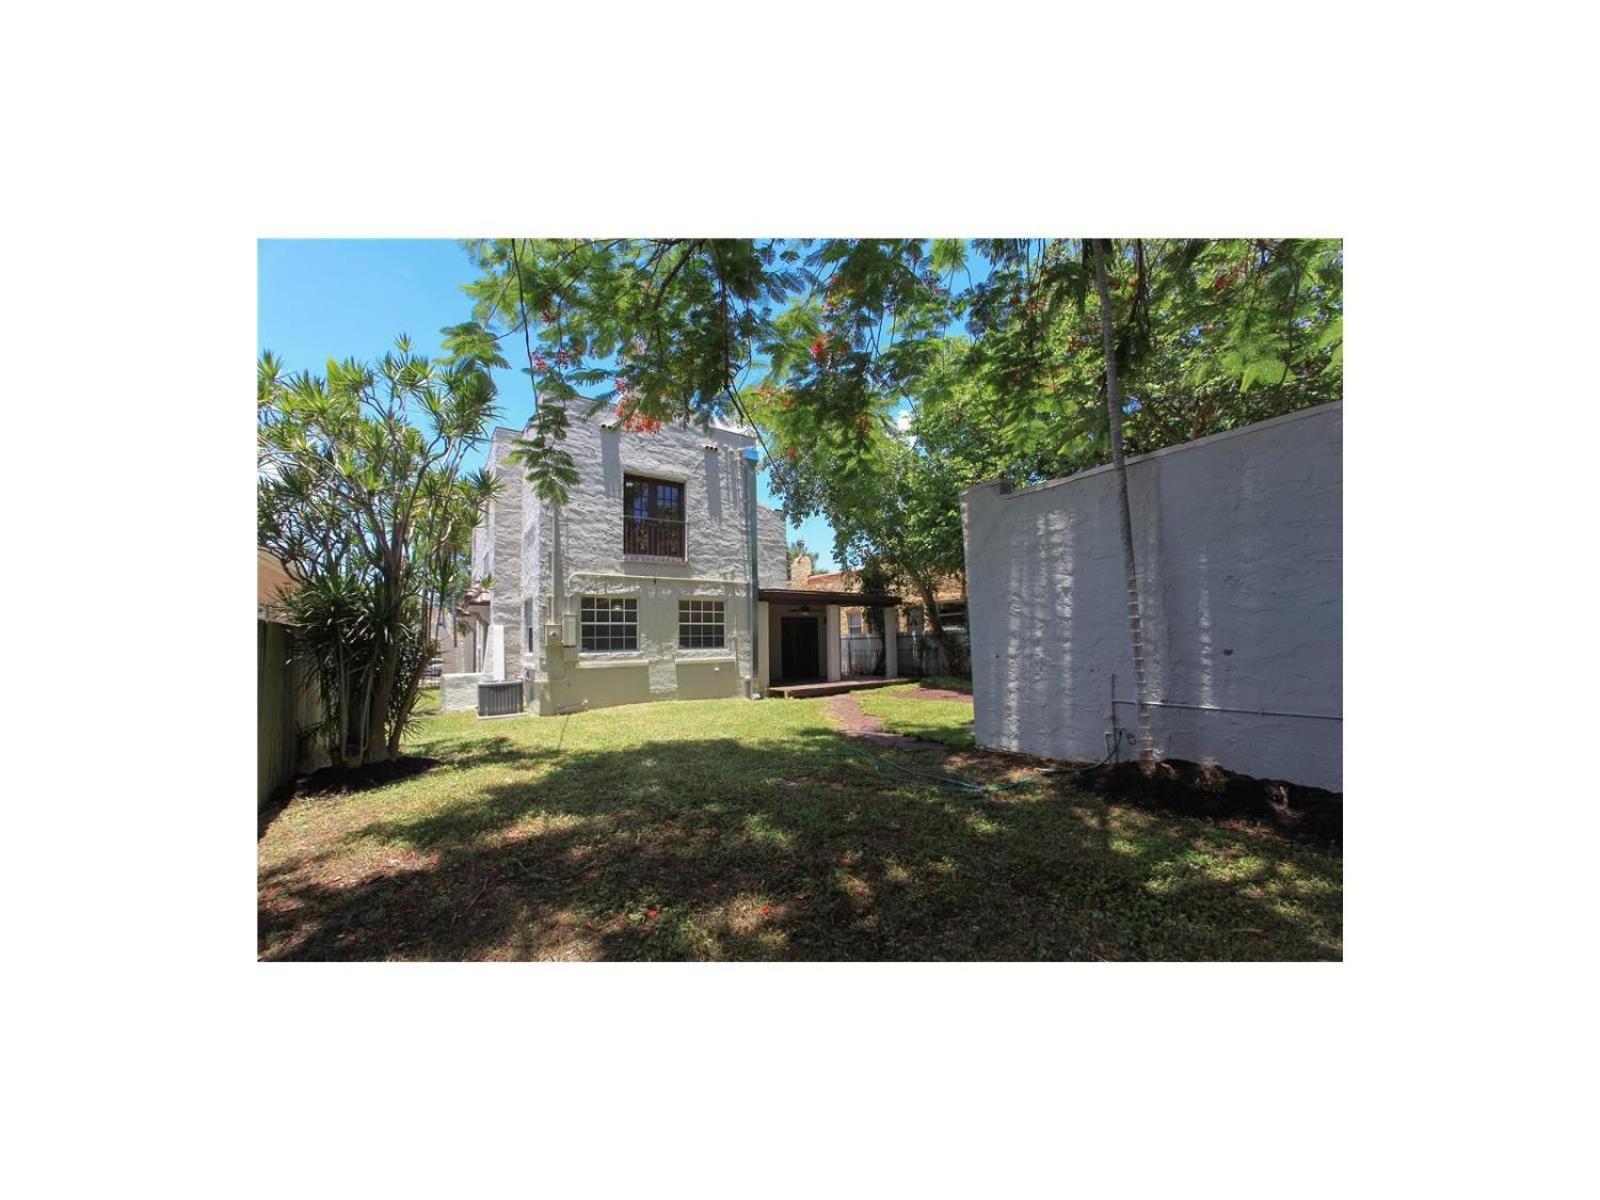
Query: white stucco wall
x=458 y=692
x=559 y=555
x=772 y=548
x=1239 y=544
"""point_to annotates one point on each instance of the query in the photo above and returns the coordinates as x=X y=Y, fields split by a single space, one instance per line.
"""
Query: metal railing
x=655 y=536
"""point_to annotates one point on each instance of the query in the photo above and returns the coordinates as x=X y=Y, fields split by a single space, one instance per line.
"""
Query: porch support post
x=830 y=635
x=888 y=622
x=762 y=679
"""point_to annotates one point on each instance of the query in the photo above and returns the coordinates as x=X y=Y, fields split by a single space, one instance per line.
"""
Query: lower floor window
x=610 y=623
x=701 y=625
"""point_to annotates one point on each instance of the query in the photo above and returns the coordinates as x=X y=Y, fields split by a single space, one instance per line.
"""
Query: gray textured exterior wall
x=556 y=556
x=1239 y=543
x=458 y=692
x=772 y=548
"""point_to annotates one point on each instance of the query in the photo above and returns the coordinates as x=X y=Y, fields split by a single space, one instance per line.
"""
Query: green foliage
x=819 y=343
x=372 y=515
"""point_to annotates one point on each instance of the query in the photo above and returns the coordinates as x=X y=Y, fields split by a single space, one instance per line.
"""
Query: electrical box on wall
x=569 y=629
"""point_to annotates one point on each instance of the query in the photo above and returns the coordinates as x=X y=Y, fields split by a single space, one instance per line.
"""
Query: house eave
x=821 y=596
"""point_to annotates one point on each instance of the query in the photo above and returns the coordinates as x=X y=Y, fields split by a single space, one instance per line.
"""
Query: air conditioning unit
x=502 y=698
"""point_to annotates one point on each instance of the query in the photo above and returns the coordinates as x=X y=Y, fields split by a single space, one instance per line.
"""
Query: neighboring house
x=660 y=578
x=461 y=640
x=1238 y=538
x=950 y=594
x=272 y=585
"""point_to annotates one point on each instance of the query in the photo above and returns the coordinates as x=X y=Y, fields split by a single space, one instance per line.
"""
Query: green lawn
x=948 y=721
x=750 y=830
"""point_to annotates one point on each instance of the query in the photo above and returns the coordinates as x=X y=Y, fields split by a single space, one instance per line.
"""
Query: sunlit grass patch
x=726 y=830
x=947 y=721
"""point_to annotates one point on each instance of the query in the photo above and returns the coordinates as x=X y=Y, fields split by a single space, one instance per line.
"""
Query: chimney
x=800 y=570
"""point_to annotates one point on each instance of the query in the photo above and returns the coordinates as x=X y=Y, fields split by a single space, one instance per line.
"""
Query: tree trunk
x=377 y=743
x=411 y=687
x=1102 y=247
x=930 y=614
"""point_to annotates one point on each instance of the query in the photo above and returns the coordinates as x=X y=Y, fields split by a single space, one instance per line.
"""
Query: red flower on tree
x=633 y=420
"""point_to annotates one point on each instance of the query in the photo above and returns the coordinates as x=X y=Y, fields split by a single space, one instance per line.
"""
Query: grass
x=738 y=830
x=947 y=721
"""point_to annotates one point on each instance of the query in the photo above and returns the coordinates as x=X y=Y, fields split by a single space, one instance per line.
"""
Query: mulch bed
x=1306 y=814
x=339 y=781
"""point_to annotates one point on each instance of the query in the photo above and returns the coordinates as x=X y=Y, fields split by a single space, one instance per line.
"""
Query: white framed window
x=853 y=623
x=702 y=625
x=609 y=623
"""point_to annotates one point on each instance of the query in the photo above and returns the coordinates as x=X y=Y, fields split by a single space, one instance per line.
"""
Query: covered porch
x=799 y=640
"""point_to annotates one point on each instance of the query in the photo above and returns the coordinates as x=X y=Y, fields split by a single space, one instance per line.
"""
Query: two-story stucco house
x=660 y=578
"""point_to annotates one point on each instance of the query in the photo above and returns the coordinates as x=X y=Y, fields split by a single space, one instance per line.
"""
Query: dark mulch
x=1306 y=814
x=340 y=781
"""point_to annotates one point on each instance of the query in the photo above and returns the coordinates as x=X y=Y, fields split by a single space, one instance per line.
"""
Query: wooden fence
x=286 y=707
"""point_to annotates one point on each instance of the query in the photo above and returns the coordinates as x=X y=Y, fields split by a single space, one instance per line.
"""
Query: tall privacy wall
x=1239 y=544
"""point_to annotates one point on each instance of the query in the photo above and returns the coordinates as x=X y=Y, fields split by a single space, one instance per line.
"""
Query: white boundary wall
x=1239 y=544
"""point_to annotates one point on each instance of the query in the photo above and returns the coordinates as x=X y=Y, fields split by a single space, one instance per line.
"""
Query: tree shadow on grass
x=716 y=848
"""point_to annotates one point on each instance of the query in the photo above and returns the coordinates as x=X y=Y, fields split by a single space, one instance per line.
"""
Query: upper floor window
x=610 y=623
x=652 y=517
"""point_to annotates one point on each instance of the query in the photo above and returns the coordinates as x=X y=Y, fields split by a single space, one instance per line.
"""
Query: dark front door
x=801 y=644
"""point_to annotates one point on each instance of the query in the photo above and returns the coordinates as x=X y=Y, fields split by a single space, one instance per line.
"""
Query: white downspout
x=755 y=574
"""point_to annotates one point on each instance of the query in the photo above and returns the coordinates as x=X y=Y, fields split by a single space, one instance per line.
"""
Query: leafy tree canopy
x=992 y=348
x=362 y=494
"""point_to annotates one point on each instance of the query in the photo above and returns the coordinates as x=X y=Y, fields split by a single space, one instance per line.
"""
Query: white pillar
x=763 y=674
x=830 y=633
x=494 y=658
x=891 y=642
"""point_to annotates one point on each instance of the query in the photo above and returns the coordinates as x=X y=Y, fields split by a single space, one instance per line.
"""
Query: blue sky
x=346 y=297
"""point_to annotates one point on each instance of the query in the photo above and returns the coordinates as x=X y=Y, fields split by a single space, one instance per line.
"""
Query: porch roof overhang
x=821 y=596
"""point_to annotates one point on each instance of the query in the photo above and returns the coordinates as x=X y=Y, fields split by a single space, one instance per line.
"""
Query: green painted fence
x=286 y=707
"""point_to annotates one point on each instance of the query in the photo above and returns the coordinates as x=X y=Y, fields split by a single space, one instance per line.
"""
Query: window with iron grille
x=609 y=622
x=652 y=517
x=701 y=625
